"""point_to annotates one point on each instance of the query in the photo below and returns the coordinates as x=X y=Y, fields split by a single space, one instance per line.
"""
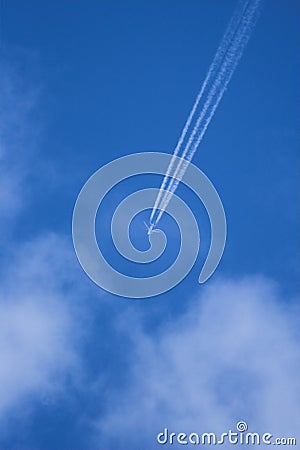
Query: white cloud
x=18 y=136
x=39 y=297
x=233 y=356
x=38 y=327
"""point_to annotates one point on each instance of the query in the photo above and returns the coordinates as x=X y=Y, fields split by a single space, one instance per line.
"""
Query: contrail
x=217 y=79
x=219 y=56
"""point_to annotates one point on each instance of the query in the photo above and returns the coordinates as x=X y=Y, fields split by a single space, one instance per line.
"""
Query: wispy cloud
x=233 y=356
x=38 y=328
x=18 y=138
x=39 y=333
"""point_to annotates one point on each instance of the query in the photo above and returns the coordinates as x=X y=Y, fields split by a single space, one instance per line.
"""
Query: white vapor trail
x=217 y=79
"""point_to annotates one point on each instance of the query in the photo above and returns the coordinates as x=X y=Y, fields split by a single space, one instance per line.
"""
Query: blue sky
x=83 y=83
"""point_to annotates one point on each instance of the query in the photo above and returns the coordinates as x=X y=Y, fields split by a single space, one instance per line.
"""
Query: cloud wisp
x=18 y=138
x=233 y=356
x=38 y=339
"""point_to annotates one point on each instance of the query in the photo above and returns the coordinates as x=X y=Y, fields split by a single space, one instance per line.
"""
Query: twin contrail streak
x=217 y=79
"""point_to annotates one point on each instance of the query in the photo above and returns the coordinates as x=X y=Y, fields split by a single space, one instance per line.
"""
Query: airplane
x=150 y=228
